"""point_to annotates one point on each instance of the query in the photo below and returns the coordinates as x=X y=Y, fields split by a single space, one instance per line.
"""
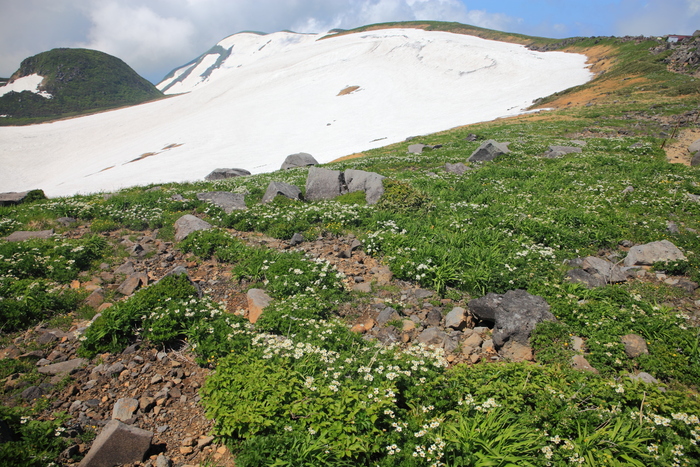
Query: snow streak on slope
x=277 y=94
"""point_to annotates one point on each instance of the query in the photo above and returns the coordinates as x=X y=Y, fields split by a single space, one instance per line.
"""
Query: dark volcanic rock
x=221 y=174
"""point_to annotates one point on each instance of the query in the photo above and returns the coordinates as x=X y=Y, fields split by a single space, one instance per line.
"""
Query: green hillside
x=80 y=80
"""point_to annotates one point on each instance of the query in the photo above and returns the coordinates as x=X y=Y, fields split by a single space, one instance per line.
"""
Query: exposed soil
x=677 y=149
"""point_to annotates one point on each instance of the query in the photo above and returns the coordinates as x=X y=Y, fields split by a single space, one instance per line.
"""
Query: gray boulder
x=650 y=253
x=418 y=148
x=225 y=200
x=188 y=224
x=369 y=182
x=514 y=314
x=221 y=174
x=456 y=319
x=324 y=184
x=695 y=160
x=489 y=151
x=606 y=270
x=558 y=151
x=23 y=235
x=694 y=146
x=282 y=189
x=386 y=315
x=301 y=159
x=118 y=444
x=579 y=276
x=67 y=367
x=433 y=336
x=458 y=168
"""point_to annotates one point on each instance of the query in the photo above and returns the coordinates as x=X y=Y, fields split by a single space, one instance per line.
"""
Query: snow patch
x=26 y=83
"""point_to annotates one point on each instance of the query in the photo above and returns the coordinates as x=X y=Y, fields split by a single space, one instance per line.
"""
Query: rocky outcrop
x=324 y=184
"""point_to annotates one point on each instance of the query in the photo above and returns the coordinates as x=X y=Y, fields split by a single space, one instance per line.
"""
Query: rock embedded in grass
x=650 y=253
x=275 y=189
x=222 y=174
x=301 y=159
x=226 y=200
x=188 y=224
x=488 y=151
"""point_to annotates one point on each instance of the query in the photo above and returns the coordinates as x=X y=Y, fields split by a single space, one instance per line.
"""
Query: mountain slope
x=282 y=93
x=63 y=82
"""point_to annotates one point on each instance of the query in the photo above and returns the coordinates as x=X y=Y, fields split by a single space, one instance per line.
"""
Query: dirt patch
x=171 y=146
x=348 y=90
x=677 y=149
x=106 y=168
x=142 y=157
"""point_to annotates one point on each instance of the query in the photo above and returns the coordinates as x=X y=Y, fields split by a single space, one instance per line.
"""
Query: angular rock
x=418 y=148
x=66 y=221
x=68 y=367
x=458 y=168
x=127 y=269
x=32 y=393
x=517 y=352
x=297 y=239
x=324 y=184
x=188 y=224
x=489 y=151
x=579 y=276
x=650 y=253
x=124 y=409
x=369 y=182
x=456 y=319
x=558 y=151
x=221 y=174
x=695 y=160
x=257 y=301
x=226 y=200
x=386 y=315
x=694 y=146
x=579 y=362
x=644 y=377
x=117 y=444
x=301 y=159
x=609 y=272
x=434 y=318
x=96 y=298
x=132 y=283
x=21 y=236
x=12 y=197
x=433 y=336
x=281 y=189
x=514 y=314
x=471 y=343
x=635 y=345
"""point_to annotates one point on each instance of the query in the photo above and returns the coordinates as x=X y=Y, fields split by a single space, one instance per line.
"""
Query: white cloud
x=659 y=17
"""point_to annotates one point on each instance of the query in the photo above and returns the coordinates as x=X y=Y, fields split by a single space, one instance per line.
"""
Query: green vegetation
x=297 y=388
x=79 y=81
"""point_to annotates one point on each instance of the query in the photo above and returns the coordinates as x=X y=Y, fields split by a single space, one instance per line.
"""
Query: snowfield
x=277 y=94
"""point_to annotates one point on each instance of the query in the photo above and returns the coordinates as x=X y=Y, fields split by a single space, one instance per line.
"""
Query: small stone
x=635 y=345
x=579 y=362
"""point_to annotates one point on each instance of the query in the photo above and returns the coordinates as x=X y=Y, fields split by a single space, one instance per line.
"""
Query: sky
x=156 y=36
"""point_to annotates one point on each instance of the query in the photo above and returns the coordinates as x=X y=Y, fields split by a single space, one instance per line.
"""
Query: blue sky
x=155 y=36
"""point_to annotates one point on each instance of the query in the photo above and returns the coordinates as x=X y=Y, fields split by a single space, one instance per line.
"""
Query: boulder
x=188 y=224
x=558 y=151
x=22 y=235
x=579 y=276
x=694 y=146
x=514 y=314
x=324 y=184
x=369 y=182
x=301 y=159
x=433 y=336
x=456 y=319
x=221 y=174
x=695 y=160
x=225 y=200
x=257 y=301
x=281 y=189
x=458 y=168
x=12 y=197
x=516 y=352
x=489 y=151
x=124 y=409
x=650 y=253
x=118 y=444
x=67 y=367
x=635 y=345
x=132 y=283
x=418 y=148
x=606 y=270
